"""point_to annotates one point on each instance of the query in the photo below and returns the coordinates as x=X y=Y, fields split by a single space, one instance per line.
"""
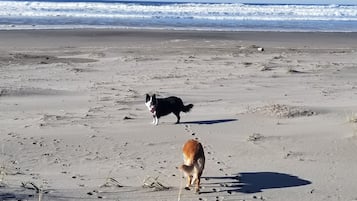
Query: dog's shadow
x=251 y=182
x=209 y=122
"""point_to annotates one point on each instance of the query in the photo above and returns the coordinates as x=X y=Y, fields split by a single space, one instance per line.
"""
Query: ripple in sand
x=29 y=92
x=22 y=58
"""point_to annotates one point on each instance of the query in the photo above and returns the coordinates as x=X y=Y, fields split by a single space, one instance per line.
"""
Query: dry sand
x=278 y=124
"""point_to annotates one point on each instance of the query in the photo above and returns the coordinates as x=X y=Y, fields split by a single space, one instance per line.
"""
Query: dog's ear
x=147 y=97
x=154 y=100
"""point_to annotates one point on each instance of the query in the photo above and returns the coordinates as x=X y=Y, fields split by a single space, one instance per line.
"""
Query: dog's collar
x=152 y=110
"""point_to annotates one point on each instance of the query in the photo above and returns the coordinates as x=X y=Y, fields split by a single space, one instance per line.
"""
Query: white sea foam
x=199 y=11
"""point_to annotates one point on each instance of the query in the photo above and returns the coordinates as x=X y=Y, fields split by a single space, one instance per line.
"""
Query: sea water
x=54 y=14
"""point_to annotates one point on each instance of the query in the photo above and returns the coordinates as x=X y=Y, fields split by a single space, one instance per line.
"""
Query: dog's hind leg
x=189 y=181
x=177 y=114
x=197 y=181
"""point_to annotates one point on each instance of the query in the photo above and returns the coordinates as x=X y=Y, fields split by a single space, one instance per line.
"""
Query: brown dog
x=194 y=163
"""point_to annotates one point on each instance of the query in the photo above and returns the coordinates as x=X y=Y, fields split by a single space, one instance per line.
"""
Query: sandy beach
x=275 y=111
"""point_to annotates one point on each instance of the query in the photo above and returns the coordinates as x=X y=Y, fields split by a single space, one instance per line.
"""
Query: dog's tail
x=199 y=165
x=187 y=108
x=186 y=168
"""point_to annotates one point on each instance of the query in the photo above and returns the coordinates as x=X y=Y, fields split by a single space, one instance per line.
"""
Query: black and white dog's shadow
x=251 y=182
x=209 y=122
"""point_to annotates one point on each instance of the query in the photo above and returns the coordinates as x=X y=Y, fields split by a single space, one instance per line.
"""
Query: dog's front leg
x=156 y=120
x=153 y=119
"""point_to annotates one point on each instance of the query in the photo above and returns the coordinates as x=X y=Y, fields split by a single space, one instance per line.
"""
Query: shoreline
x=78 y=27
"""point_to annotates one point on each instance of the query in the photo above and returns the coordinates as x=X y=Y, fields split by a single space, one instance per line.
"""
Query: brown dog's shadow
x=251 y=182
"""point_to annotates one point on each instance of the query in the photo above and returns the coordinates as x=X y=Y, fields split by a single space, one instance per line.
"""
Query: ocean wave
x=177 y=11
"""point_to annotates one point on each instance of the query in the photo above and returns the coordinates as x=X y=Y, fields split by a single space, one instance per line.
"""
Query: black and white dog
x=163 y=106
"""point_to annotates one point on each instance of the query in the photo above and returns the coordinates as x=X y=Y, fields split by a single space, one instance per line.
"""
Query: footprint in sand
x=221 y=169
x=187 y=128
x=190 y=132
x=202 y=199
